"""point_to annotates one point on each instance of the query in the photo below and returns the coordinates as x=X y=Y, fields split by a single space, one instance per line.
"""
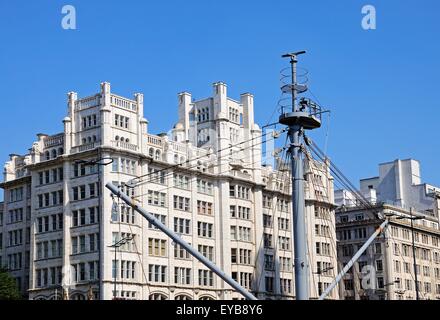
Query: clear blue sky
x=381 y=85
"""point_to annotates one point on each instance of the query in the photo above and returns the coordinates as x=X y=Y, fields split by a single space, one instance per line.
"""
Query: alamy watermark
x=68 y=22
x=369 y=19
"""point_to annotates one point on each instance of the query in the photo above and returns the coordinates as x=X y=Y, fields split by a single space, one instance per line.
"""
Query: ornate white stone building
x=205 y=180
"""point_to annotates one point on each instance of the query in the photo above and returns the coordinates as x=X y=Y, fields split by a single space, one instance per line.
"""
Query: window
x=156 y=198
x=267 y=221
x=284 y=243
x=204 y=229
x=379 y=266
x=378 y=247
x=157 y=273
x=160 y=217
x=206 y=278
x=269 y=284
x=267 y=240
x=207 y=251
x=380 y=282
x=157 y=247
x=92 y=190
x=181 y=253
x=204 y=207
x=233 y=255
x=268 y=262
x=156 y=175
x=233 y=211
x=182 y=275
x=204 y=186
x=182 y=226
x=181 y=203
x=181 y=181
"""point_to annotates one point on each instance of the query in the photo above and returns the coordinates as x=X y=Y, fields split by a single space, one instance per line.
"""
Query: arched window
x=54 y=154
x=40 y=298
x=157 y=296
x=60 y=151
x=122 y=139
x=127 y=140
x=47 y=155
x=206 y=298
x=78 y=296
x=84 y=140
x=176 y=158
x=157 y=157
x=94 y=139
x=151 y=152
x=117 y=138
x=182 y=297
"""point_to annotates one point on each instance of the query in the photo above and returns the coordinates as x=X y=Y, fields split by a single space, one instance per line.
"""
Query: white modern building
x=398 y=195
x=205 y=180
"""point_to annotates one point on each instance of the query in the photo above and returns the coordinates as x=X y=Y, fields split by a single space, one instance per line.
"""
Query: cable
x=274 y=210
x=369 y=209
x=170 y=174
x=197 y=158
x=327 y=222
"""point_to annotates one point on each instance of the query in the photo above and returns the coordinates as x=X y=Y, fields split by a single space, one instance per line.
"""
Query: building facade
x=204 y=179
x=386 y=270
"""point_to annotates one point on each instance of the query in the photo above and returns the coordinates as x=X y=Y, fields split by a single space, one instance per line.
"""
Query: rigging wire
x=370 y=209
x=199 y=157
x=170 y=174
x=274 y=209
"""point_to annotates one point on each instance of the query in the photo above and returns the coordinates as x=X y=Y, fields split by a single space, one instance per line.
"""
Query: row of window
x=124 y=269
x=179 y=180
x=49 y=249
x=322 y=230
x=16 y=194
x=241 y=256
x=405 y=234
x=122 y=122
x=48 y=223
x=79 y=192
x=240 y=212
x=323 y=248
x=409 y=268
x=124 y=165
x=89 y=121
x=348 y=234
x=85 y=243
x=55 y=153
x=80 y=218
x=420 y=253
x=241 y=192
x=124 y=214
x=54 y=198
x=15 y=215
x=79 y=272
x=158 y=273
x=50 y=176
x=241 y=233
x=83 y=169
x=125 y=241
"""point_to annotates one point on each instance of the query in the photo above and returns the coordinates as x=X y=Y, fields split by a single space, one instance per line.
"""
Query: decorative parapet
x=52 y=141
x=121 y=102
x=88 y=102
